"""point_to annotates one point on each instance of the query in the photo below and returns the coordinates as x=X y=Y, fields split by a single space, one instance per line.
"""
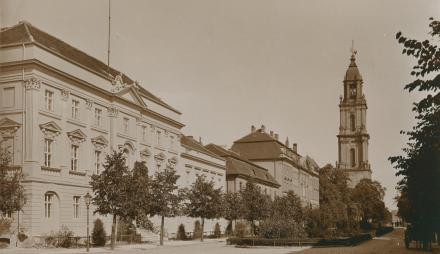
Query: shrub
x=217 y=232
x=181 y=234
x=98 y=234
x=240 y=229
x=63 y=238
x=197 y=232
x=22 y=236
x=5 y=225
x=228 y=230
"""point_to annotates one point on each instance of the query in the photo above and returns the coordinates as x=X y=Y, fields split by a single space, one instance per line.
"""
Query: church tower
x=353 y=136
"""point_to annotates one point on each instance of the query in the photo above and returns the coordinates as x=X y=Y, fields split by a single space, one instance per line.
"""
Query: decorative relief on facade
x=76 y=136
x=128 y=145
x=89 y=104
x=159 y=158
x=172 y=162
x=65 y=94
x=118 y=83
x=112 y=112
x=50 y=129
x=145 y=154
x=32 y=84
x=8 y=127
x=99 y=142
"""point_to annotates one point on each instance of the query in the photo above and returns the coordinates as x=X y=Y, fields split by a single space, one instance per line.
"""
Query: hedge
x=383 y=230
x=343 y=241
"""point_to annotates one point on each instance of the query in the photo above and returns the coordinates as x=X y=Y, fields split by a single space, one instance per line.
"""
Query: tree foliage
x=165 y=197
x=419 y=166
x=255 y=205
x=98 y=233
x=11 y=190
x=111 y=190
x=203 y=200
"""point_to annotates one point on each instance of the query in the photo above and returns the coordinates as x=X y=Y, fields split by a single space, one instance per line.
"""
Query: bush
x=181 y=234
x=99 y=237
x=197 y=232
x=240 y=229
x=228 y=230
x=383 y=230
x=5 y=225
x=346 y=241
x=217 y=231
x=63 y=238
x=22 y=236
x=270 y=242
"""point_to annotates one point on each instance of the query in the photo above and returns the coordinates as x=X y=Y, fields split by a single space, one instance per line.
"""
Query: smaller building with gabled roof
x=291 y=170
x=240 y=170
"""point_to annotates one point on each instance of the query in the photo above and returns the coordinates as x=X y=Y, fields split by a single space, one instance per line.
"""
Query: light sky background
x=227 y=65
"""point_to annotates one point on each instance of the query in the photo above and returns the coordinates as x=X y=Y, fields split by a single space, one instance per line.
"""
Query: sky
x=227 y=65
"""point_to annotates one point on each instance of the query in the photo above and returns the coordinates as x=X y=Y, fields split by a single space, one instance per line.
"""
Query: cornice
x=109 y=95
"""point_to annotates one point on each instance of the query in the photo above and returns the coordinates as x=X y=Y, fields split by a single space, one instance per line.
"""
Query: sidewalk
x=127 y=247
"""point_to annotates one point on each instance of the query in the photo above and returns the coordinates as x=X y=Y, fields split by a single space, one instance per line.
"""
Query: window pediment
x=76 y=136
x=100 y=142
x=50 y=129
x=8 y=127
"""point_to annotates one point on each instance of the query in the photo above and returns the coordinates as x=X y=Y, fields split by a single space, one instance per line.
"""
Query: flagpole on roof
x=108 y=42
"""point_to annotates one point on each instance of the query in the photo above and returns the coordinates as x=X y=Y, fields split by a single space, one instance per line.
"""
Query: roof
x=191 y=143
x=259 y=145
x=24 y=32
x=352 y=73
x=236 y=165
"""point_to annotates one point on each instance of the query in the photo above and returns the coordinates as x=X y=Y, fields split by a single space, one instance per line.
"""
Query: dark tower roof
x=353 y=73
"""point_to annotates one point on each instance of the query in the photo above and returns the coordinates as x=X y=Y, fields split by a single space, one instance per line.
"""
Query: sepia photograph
x=220 y=126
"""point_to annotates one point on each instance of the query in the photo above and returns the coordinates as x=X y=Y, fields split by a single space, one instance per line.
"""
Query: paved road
x=391 y=243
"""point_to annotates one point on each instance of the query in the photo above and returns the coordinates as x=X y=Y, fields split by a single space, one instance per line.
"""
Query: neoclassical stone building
x=353 y=136
x=61 y=112
x=291 y=170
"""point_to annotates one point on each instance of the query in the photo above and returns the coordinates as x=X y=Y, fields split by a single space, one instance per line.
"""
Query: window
x=48 y=99
x=126 y=122
x=352 y=122
x=98 y=117
x=158 y=138
x=171 y=142
x=144 y=133
x=75 y=109
x=240 y=185
x=74 y=158
x=48 y=199
x=8 y=97
x=97 y=162
x=47 y=152
x=353 y=157
x=76 y=200
x=7 y=214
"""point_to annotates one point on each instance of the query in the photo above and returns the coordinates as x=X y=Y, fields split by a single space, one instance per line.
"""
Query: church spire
x=352 y=73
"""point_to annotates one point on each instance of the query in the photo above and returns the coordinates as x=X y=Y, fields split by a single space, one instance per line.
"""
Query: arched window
x=353 y=157
x=352 y=122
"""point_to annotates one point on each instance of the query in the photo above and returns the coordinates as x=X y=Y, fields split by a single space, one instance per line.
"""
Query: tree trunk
x=112 y=238
x=203 y=229
x=162 y=225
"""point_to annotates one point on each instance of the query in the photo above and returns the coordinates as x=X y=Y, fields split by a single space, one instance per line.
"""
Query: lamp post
x=88 y=199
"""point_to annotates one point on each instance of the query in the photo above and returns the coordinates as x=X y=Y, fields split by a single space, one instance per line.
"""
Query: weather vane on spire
x=353 y=51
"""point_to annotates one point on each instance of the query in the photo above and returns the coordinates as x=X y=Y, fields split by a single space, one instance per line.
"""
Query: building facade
x=61 y=112
x=240 y=170
x=291 y=170
x=353 y=136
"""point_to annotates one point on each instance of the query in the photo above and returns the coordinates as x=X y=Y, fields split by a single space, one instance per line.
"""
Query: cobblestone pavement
x=391 y=243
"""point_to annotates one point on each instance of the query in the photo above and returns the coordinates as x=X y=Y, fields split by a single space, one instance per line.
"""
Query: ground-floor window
x=48 y=205
x=76 y=200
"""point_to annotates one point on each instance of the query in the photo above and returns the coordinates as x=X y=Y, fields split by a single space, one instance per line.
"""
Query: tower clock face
x=352 y=91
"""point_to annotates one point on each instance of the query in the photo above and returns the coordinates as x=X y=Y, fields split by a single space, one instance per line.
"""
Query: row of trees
x=135 y=196
x=419 y=166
